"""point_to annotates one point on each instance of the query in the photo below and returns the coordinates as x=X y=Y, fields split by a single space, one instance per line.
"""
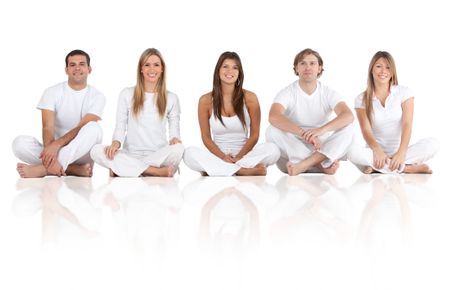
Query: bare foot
x=368 y=170
x=332 y=169
x=258 y=170
x=295 y=168
x=30 y=171
x=112 y=174
x=55 y=169
x=417 y=168
x=83 y=170
x=159 y=171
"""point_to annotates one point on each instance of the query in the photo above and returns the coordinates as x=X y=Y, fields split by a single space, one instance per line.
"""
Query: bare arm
x=407 y=119
x=204 y=113
x=52 y=146
x=379 y=157
x=278 y=119
x=254 y=111
x=343 y=118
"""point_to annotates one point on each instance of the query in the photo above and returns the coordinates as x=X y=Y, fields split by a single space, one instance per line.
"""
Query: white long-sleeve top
x=148 y=131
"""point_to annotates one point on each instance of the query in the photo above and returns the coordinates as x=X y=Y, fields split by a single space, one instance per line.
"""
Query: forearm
x=371 y=141
x=213 y=148
x=248 y=146
x=406 y=137
x=283 y=123
x=69 y=136
x=47 y=137
x=339 y=122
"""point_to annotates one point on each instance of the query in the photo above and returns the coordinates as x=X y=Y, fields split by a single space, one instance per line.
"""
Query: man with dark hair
x=70 y=111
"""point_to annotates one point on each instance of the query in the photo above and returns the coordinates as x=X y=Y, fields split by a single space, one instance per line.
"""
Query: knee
x=272 y=134
x=434 y=145
x=177 y=150
x=95 y=129
x=352 y=152
x=273 y=150
x=96 y=152
x=190 y=153
x=19 y=144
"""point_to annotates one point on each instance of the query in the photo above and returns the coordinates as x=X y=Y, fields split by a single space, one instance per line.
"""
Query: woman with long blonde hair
x=143 y=113
x=385 y=113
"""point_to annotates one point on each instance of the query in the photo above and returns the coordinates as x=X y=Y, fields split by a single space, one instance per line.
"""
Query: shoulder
x=250 y=96
x=326 y=90
x=172 y=98
x=126 y=95
x=55 y=89
x=290 y=89
x=401 y=90
x=94 y=92
x=127 y=92
x=206 y=100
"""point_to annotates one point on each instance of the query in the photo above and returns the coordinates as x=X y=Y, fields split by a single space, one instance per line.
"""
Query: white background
x=37 y=35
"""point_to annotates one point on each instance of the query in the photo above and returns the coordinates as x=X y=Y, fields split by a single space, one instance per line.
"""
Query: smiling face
x=381 y=71
x=229 y=71
x=77 y=70
x=308 y=68
x=152 y=69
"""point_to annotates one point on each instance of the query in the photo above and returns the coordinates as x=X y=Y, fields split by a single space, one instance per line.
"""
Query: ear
x=90 y=69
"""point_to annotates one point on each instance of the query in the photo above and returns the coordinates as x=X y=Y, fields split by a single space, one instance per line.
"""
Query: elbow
x=272 y=119
x=351 y=118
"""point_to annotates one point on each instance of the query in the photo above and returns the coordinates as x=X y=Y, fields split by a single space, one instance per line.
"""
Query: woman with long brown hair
x=385 y=114
x=229 y=118
x=143 y=113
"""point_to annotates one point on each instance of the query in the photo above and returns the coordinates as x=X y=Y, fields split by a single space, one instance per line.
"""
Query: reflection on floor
x=311 y=232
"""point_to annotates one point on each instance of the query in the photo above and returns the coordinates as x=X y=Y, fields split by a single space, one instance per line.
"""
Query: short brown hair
x=299 y=57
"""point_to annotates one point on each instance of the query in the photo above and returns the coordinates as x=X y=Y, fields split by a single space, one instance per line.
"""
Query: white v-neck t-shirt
x=308 y=111
x=70 y=106
x=387 y=120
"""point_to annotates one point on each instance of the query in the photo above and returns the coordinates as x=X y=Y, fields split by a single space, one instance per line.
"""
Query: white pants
x=295 y=150
x=28 y=148
x=128 y=164
x=417 y=153
x=202 y=160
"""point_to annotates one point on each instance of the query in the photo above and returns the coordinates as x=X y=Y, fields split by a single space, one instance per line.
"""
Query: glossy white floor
x=347 y=231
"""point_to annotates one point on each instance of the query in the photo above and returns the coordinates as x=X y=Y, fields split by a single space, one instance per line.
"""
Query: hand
x=228 y=158
x=379 y=158
x=311 y=137
x=112 y=149
x=397 y=161
x=316 y=143
x=49 y=154
x=310 y=134
x=174 y=140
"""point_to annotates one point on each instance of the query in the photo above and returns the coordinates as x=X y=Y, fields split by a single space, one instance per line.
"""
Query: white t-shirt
x=387 y=120
x=70 y=106
x=148 y=131
x=308 y=111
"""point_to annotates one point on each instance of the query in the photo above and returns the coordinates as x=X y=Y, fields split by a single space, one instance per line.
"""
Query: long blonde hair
x=368 y=93
x=139 y=89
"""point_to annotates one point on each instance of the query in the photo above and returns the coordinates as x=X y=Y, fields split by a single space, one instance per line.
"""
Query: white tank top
x=231 y=137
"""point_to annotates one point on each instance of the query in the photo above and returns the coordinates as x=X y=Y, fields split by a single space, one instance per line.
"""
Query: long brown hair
x=139 y=90
x=238 y=93
x=368 y=93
